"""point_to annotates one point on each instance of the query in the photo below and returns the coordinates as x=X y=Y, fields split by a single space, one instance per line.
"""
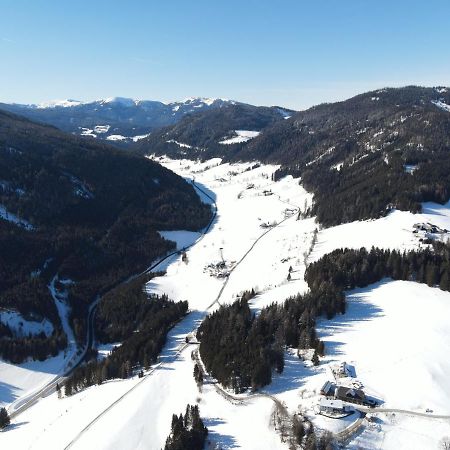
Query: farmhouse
x=350 y=395
x=333 y=406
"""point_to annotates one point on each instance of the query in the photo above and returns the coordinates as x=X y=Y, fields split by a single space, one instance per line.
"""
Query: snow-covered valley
x=397 y=346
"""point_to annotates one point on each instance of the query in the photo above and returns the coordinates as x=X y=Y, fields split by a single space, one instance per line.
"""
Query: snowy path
x=185 y=345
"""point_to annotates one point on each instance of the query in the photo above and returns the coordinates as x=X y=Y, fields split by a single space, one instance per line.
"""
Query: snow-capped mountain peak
x=119 y=119
x=122 y=101
x=58 y=103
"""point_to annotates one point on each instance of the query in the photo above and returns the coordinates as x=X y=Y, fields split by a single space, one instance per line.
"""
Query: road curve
x=183 y=346
x=50 y=387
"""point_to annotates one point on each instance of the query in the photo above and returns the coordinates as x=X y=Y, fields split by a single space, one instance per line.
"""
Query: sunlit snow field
x=394 y=333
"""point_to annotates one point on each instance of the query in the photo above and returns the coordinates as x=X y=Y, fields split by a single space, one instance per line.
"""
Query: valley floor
x=394 y=333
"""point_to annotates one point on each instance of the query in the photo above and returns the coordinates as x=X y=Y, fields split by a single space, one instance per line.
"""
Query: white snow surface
x=139 y=137
x=394 y=333
x=182 y=238
x=100 y=129
x=392 y=231
x=58 y=103
x=116 y=137
x=397 y=333
x=22 y=327
x=442 y=105
x=241 y=136
x=10 y=217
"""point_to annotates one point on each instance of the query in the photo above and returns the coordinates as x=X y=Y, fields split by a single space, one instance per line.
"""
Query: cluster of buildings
x=219 y=270
x=427 y=232
x=337 y=398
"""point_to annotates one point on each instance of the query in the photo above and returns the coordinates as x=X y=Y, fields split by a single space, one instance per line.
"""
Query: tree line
x=241 y=350
x=140 y=322
x=188 y=432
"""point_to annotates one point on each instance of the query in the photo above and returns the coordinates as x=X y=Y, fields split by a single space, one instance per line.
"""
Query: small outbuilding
x=333 y=406
x=328 y=389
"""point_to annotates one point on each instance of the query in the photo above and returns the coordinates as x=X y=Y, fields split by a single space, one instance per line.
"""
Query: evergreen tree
x=4 y=418
x=315 y=358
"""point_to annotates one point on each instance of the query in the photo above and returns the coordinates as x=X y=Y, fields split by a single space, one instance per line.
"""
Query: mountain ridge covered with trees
x=92 y=212
x=361 y=157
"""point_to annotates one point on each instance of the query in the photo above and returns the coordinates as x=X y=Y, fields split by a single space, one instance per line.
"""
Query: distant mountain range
x=117 y=119
x=361 y=157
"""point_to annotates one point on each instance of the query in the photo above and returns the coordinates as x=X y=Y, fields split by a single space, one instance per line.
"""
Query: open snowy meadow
x=394 y=334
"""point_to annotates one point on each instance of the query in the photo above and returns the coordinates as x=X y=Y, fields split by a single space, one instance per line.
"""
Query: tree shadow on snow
x=13 y=426
x=358 y=310
x=296 y=372
x=7 y=392
x=177 y=336
x=217 y=440
x=209 y=193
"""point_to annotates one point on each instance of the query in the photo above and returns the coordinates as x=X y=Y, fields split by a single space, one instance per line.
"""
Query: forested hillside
x=361 y=157
x=242 y=350
x=209 y=134
x=84 y=211
x=140 y=322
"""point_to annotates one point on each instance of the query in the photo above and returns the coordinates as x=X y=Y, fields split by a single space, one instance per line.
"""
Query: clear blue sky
x=293 y=53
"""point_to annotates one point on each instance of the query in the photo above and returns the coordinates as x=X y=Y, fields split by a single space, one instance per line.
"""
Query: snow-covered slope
x=241 y=214
x=395 y=334
x=241 y=136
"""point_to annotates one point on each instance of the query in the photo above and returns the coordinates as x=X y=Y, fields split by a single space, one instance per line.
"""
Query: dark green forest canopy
x=95 y=212
x=351 y=155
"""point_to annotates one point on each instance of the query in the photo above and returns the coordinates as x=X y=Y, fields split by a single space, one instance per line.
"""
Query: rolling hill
x=79 y=211
x=361 y=157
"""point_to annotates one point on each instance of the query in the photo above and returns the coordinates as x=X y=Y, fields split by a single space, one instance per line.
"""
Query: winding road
x=26 y=402
x=192 y=333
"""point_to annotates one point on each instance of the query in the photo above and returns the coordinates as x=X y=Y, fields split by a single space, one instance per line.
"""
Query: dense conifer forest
x=92 y=215
x=241 y=350
x=140 y=322
x=352 y=155
x=188 y=432
x=204 y=130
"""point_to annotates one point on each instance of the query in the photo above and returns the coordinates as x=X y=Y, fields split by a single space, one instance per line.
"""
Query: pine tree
x=68 y=387
x=4 y=418
x=58 y=390
x=321 y=348
x=315 y=358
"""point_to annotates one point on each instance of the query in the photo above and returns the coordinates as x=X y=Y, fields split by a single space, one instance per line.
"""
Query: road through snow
x=192 y=333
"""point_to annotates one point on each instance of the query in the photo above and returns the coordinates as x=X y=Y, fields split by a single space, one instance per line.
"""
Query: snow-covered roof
x=335 y=404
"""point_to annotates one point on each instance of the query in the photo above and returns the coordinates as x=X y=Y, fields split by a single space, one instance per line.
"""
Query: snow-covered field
x=241 y=136
x=19 y=382
x=24 y=327
x=393 y=231
x=397 y=343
